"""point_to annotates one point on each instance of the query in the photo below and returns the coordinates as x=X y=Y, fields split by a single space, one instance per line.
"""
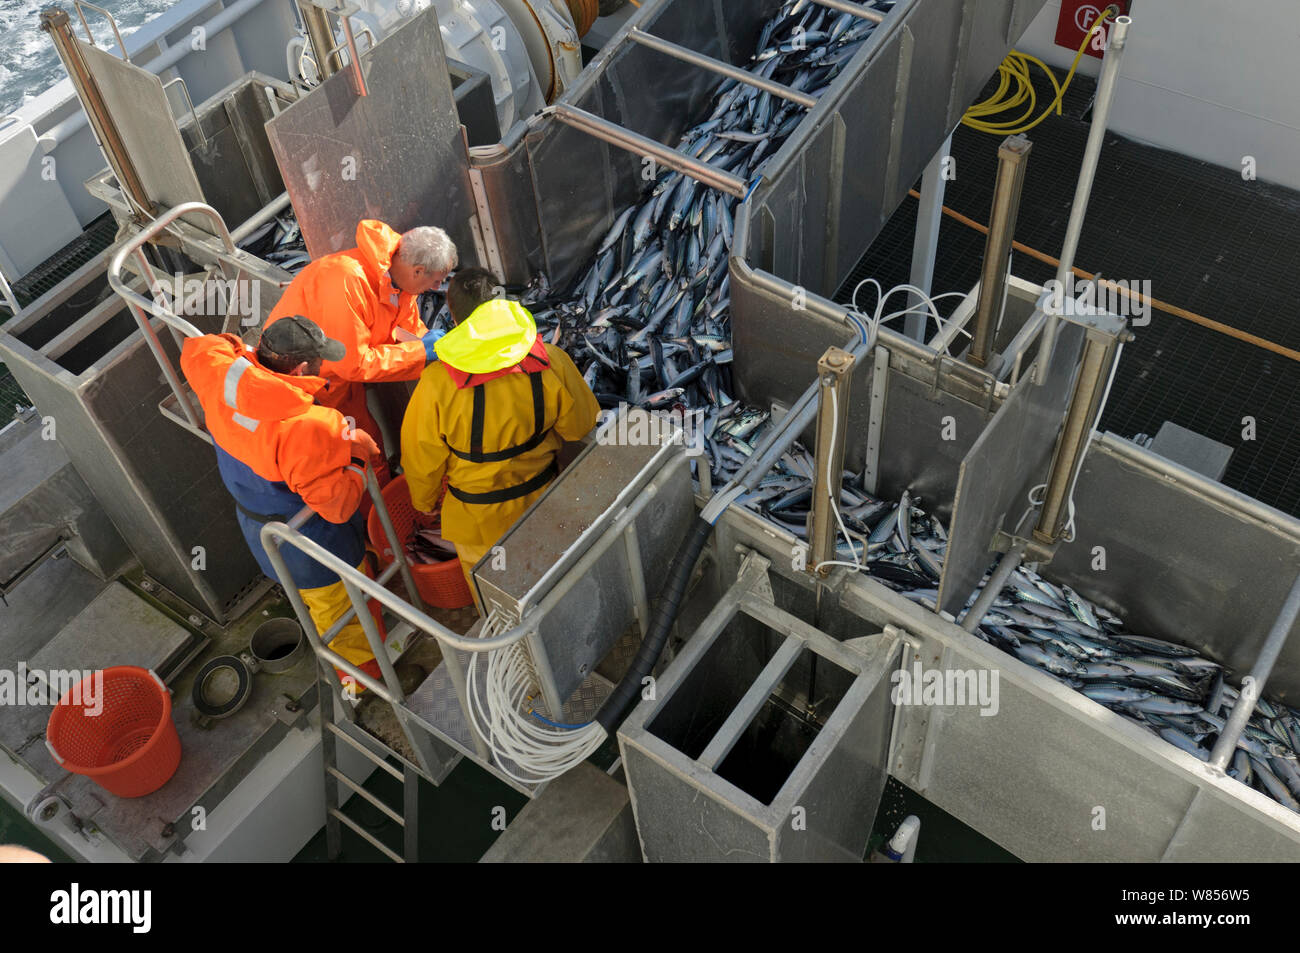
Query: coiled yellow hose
x=1013 y=73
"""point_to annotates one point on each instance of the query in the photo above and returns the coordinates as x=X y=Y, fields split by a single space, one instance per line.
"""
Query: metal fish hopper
x=637 y=467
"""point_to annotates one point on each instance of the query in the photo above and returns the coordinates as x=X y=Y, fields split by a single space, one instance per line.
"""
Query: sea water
x=28 y=63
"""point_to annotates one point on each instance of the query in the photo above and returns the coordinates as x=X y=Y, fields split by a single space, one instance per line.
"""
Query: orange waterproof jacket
x=278 y=450
x=351 y=296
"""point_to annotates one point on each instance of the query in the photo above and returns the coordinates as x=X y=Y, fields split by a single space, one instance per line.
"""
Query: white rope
x=878 y=317
x=540 y=751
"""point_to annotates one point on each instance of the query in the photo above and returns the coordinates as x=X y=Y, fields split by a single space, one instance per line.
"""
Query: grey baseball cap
x=299 y=338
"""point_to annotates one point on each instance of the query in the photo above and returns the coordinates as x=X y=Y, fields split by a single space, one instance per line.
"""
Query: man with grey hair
x=368 y=298
x=424 y=258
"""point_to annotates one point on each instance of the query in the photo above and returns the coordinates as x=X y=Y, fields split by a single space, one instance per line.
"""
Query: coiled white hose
x=505 y=716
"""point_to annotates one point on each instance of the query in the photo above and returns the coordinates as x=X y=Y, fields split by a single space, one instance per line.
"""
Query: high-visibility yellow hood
x=499 y=334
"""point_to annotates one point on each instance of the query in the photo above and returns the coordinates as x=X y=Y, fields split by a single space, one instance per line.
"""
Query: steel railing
x=141 y=306
x=617 y=526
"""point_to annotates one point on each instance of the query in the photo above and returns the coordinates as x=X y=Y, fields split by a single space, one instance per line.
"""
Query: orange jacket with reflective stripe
x=270 y=423
x=351 y=296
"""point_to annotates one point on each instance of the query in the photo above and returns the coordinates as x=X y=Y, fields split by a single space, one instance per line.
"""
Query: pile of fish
x=1163 y=687
x=279 y=242
x=425 y=545
x=904 y=552
x=648 y=320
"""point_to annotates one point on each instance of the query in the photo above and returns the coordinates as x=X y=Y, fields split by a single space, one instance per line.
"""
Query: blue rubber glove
x=430 y=339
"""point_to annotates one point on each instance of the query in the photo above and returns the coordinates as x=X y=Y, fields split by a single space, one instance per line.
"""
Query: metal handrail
x=185 y=91
x=149 y=232
x=7 y=293
x=344 y=45
x=90 y=37
x=136 y=245
x=361 y=589
x=140 y=305
x=276 y=534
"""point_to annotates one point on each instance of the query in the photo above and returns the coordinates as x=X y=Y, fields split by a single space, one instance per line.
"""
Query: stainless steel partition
x=842 y=173
x=553 y=189
x=1183 y=557
x=851 y=160
x=228 y=146
x=1031 y=771
x=86 y=366
x=1052 y=776
x=931 y=409
x=1010 y=457
x=729 y=762
x=396 y=154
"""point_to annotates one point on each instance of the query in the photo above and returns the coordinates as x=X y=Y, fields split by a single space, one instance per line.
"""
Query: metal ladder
x=331 y=733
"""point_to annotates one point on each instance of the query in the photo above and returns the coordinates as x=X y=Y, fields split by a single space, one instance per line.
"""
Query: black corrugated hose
x=667 y=606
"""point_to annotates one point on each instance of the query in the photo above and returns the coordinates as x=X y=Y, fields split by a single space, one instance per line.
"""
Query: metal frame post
x=1100 y=352
x=7 y=293
x=410 y=814
x=1253 y=686
x=1092 y=151
x=876 y=420
x=638 y=144
x=58 y=25
x=678 y=52
x=834 y=375
x=329 y=756
x=925 y=243
x=316 y=24
x=1013 y=157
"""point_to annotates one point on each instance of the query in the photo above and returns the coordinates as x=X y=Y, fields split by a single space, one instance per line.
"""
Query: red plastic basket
x=440 y=584
x=119 y=734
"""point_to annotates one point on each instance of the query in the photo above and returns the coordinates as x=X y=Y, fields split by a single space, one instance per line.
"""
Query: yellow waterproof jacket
x=472 y=433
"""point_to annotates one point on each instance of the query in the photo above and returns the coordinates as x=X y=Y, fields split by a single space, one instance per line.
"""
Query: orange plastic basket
x=119 y=734
x=440 y=584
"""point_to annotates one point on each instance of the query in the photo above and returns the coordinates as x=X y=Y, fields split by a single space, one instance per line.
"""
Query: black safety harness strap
x=509 y=493
x=259 y=517
x=476 y=453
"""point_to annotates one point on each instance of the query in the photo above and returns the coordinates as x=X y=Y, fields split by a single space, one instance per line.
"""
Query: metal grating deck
x=43 y=279
x=1208 y=241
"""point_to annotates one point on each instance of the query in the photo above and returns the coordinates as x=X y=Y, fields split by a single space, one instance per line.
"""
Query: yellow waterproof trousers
x=469 y=557
x=326 y=605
